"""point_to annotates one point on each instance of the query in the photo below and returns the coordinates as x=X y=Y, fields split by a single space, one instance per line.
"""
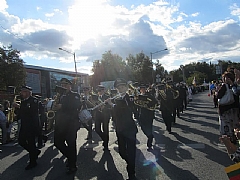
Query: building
x=44 y=80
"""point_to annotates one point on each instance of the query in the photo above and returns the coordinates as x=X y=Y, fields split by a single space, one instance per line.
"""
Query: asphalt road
x=191 y=152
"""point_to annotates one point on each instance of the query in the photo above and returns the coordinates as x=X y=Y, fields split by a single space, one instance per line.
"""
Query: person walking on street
x=67 y=124
x=102 y=118
x=166 y=105
x=126 y=128
x=86 y=104
x=29 y=115
x=3 y=124
x=146 y=115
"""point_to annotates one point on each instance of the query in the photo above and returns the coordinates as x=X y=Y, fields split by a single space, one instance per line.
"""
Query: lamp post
x=182 y=67
x=75 y=63
x=151 y=53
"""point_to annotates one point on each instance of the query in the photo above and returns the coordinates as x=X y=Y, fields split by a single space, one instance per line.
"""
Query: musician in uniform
x=146 y=114
x=166 y=105
x=86 y=104
x=29 y=115
x=102 y=117
x=42 y=138
x=126 y=128
x=67 y=124
x=176 y=101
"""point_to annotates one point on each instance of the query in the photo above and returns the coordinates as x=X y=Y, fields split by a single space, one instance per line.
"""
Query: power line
x=18 y=37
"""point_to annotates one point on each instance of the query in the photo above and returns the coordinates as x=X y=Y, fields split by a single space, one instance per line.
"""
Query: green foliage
x=140 y=68
x=12 y=71
x=199 y=78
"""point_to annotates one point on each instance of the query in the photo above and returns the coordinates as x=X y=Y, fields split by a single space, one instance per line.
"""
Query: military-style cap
x=26 y=88
x=100 y=87
x=65 y=81
x=119 y=81
x=38 y=96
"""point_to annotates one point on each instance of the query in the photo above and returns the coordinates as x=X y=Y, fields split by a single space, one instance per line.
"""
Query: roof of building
x=52 y=70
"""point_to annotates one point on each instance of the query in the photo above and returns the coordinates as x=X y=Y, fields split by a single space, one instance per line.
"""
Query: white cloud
x=235 y=10
x=58 y=11
x=96 y=27
x=195 y=14
x=4 y=5
x=49 y=14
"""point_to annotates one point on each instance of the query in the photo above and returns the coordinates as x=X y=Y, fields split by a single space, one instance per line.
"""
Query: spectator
x=3 y=124
x=228 y=114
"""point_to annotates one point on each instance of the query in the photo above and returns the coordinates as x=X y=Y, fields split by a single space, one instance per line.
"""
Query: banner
x=233 y=171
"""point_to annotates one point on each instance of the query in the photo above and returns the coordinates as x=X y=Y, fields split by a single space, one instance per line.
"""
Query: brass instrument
x=162 y=93
x=11 y=113
x=134 y=90
x=145 y=102
x=102 y=103
x=142 y=100
x=60 y=91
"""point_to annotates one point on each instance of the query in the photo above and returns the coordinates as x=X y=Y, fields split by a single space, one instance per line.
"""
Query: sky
x=191 y=30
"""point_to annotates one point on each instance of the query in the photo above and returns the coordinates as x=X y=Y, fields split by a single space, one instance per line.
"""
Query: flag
x=233 y=172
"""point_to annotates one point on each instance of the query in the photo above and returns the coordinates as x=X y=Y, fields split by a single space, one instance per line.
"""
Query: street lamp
x=73 y=58
x=151 y=53
x=182 y=68
x=75 y=63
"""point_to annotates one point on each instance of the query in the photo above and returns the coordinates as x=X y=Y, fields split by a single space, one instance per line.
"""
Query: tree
x=141 y=66
x=12 y=71
x=199 y=77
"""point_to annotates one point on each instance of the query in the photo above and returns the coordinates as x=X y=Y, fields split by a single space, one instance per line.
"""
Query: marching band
x=127 y=105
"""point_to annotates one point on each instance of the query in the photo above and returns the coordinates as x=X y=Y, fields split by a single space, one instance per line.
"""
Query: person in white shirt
x=3 y=125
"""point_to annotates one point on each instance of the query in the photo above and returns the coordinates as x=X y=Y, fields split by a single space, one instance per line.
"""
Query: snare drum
x=84 y=116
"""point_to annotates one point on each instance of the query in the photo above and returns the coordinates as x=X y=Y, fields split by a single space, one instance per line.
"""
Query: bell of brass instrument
x=134 y=90
x=145 y=102
x=174 y=92
x=60 y=91
x=162 y=93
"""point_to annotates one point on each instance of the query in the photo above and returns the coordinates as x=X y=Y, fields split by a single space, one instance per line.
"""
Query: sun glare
x=88 y=19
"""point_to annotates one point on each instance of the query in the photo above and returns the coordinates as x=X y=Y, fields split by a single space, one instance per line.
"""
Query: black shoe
x=31 y=165
x=71 y=170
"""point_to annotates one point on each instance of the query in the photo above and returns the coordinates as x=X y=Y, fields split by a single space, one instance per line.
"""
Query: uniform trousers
x=127 y=150
x=65 y=141
x=102 y=127
x=146 y=124
x=27 y=141
x=168 y=119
